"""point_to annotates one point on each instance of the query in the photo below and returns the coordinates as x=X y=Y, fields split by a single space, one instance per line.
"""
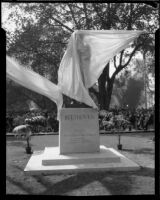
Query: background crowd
x=42 y=121
x=138 y=119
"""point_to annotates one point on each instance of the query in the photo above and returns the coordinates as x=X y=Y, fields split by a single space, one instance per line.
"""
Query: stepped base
x=51 y=162
x=52 y=157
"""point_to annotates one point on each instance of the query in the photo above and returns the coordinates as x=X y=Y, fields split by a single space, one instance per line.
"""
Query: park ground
x=138 y=147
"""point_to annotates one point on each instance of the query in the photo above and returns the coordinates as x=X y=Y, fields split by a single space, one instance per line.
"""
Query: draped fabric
x=70 y=76
x=33 y=81
x=87 y=54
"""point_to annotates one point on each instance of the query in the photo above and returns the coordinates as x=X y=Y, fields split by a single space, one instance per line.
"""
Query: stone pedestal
x=51 y=162
x=52 y=157
x=79 y=131
x=79 y=148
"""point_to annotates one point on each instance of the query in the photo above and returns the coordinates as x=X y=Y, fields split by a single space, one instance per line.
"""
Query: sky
x=4 y=15
x=10 y=24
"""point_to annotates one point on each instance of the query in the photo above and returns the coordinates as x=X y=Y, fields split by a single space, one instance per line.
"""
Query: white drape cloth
x=87 y=54
x=33 y=81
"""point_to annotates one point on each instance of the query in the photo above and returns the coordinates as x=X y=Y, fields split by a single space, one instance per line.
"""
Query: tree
x=133 y=93
x=18 y=96
x=120 y=87
x=132 y=78
x=45 y=38
x=14 y=98
x=131 y=14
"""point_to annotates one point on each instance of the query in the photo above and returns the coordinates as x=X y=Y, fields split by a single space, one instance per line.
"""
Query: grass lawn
x=136 y=147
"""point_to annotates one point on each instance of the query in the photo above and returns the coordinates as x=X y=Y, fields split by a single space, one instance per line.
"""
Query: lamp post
x=28 y=147
x=119 y=145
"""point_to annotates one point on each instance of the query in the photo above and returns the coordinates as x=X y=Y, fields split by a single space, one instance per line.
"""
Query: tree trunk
x=28 y=142
x=105 y=93
x=109 y=90
x=104 y=96
x=102 y=88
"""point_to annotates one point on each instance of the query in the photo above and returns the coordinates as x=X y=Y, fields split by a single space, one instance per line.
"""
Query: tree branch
x=86 y=15
x=120 y=60
x=120 y=67
x=115 y=62
x=133 y=52
x=29 y=50
x=107 y=71
x=72 y=13
x=101 y=18
x=75 y=5
x=56 y=20
x=129 y=26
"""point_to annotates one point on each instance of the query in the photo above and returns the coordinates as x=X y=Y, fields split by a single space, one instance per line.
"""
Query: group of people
x=140 y=119
x=39 y=121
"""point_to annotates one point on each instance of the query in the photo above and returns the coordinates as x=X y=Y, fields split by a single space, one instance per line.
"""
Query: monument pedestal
x=79 y=148
x=51 y=156
x=51 y=162
x=79 y=131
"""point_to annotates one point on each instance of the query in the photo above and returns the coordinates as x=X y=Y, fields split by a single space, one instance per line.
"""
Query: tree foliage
x=42 y=37
x=18 y=96
x=133 y=92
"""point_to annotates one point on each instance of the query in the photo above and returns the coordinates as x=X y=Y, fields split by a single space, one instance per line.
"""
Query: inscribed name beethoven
x=79 y=130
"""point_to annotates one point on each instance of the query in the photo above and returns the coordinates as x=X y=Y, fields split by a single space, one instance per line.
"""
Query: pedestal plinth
x=79 y=131
x=79 y=148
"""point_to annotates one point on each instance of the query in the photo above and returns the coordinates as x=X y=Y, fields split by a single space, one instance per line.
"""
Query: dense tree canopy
x=43 y=30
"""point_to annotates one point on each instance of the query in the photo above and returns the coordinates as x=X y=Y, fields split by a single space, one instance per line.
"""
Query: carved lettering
x=79 y=117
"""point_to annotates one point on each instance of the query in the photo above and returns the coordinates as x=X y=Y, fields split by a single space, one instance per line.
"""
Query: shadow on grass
x=17 y=143
x=22 y=186
x=144 y=171
x=76 y=181
x=21 y=168
x=140 y=151
x=117 y=183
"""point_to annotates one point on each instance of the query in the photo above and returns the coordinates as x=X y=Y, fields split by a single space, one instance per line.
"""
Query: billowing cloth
x=33 y=81
x=87 y=54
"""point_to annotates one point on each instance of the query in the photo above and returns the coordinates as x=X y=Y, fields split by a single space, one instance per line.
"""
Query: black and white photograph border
x=37 y=127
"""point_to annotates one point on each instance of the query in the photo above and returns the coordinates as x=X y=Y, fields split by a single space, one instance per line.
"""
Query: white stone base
x=51 y=156
x=51 y=162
